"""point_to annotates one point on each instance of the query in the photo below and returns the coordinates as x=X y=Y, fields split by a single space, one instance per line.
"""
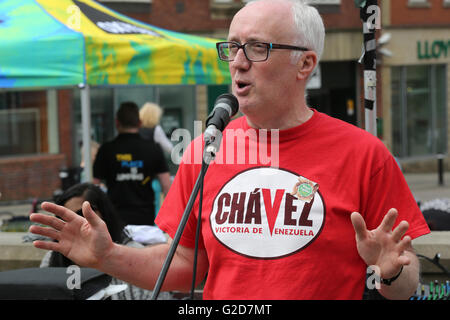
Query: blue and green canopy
x=58 y=43
x=53 y=43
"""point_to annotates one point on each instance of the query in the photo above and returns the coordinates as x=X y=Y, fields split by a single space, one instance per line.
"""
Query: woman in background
x=150 y=115
x=73 y=199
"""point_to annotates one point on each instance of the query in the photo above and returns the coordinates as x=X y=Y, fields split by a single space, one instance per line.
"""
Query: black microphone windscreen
x=230 y=100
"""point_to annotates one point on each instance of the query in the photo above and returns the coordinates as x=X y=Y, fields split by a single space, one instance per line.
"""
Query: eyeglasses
x=254 y=51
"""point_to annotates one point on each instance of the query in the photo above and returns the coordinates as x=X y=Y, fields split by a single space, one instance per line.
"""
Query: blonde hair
x=150 y=114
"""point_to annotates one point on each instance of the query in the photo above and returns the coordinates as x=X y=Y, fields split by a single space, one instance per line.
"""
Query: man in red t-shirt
x=301 y=221
x=283 y=230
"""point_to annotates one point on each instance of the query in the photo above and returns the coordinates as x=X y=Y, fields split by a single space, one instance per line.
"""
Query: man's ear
x=306 y=65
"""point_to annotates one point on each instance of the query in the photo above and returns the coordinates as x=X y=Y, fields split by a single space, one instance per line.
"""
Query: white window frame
x=324 y=2
x=419 y=4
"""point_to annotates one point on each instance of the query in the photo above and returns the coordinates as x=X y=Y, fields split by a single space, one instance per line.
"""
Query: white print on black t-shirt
x=255 y=215
x=126 y=162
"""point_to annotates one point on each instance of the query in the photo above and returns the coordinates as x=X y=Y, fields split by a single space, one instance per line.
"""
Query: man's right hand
x=86 y=241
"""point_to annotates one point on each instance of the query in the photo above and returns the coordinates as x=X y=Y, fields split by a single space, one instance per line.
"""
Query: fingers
x=389 y=220
x=359 y=225
x=90 y=215
x=46 y=232
x=47 y=245
x=405 y=244
x=60 y=211
x=400 y=231
x=56 y=224
x=388 y=223
x=404 y=258
x=47 y=220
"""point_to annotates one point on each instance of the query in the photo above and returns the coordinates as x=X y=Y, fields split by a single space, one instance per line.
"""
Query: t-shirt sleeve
x=388 y=189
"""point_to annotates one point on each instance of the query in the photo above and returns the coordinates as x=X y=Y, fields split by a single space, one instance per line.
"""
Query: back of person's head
x=100 y=203
x=150 y=114
x=309 y=27
x=128 y=115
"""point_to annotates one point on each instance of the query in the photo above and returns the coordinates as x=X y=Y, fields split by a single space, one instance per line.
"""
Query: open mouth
x=242 y=85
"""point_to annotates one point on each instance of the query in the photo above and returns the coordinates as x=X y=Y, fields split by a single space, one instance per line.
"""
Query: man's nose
x=240 y=60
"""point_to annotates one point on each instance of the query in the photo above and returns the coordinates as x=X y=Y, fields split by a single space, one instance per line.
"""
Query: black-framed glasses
x=254 y=50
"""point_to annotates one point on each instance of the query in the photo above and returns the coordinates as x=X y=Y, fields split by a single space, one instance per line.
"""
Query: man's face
x=261 y=86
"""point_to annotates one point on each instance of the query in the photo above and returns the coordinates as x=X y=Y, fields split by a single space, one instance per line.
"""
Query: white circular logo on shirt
x=255 y=214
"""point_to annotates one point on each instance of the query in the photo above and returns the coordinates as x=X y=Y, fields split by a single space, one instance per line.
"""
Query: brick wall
x=37 y=176
x=22 y=178
x=184 y=16
x=201 y=16
x=65 y=113
x=348 y=17
x=435 y=14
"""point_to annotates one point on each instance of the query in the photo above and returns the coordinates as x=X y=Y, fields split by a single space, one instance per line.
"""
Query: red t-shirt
x=276 y=214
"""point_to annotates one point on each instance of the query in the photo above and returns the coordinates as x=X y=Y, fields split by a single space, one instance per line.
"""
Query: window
x=178 y=103
x=326 y=6
x=25 y=123
x=419 y=3
x=129 y=6
x=419 y=111
x=324 y=2
x=179 y=7
x=19 y=131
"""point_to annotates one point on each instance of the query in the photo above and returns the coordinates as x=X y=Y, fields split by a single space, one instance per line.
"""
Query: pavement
x=424 y=187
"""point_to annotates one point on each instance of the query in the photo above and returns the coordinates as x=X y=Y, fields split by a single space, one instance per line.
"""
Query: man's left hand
x=383 y=247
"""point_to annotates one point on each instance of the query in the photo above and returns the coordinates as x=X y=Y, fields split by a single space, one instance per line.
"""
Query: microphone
x=225 y=107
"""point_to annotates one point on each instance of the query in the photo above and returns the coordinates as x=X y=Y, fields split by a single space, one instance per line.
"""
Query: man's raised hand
x=383 y=246
x=84 y=240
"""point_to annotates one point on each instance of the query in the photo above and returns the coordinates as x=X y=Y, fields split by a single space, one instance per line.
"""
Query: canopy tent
x=55 y=43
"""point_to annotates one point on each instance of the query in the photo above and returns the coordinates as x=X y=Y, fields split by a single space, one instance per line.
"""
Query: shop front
x=335 y=89
x=181 y=106
x=416 y=96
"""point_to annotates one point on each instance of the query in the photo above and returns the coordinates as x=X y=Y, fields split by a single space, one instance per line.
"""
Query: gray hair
x=309 y=27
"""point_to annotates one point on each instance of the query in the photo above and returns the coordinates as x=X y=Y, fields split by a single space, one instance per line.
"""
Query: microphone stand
x=184 y=220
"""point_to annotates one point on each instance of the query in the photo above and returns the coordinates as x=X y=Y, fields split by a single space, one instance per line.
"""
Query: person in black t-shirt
x=127 y=165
